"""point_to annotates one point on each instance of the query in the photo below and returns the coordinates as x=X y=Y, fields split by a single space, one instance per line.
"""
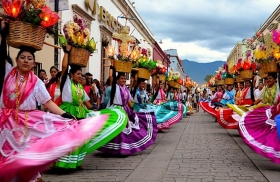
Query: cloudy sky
x=204 y=30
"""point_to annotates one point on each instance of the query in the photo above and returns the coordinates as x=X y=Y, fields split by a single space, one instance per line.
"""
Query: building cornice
x=268 y=22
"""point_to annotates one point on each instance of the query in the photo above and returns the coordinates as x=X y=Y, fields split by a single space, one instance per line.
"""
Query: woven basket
x=229 y=81
x=213 y=89
x=162 y=78
x=123 y=66
x=246 y=74
x=79 y=57
x=220 y=82
x=25 y=34
x=262 y=73
x=174 y=84
x=269 y=67
x=143 y=73
x=238 y=79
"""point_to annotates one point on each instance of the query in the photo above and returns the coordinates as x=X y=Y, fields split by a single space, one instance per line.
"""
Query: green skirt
x=114 y=126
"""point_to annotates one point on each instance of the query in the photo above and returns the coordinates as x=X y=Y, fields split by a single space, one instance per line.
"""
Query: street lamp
x=133 y=4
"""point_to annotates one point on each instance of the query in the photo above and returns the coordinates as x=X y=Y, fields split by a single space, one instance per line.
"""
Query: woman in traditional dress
x=32 y=139
x=141 y=130
x=53 y=72
x=170 y=94
x=238 y=94
x=209 y=107
x=258 y=127
x=76 y=102
x=164 y=115
x=224 y=114
x=228 y=97
x=53 y=87
x=84 y=82
x=160 y=96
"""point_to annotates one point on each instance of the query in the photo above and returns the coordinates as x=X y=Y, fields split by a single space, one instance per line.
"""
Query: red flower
x=12 y=7
x=48 y=17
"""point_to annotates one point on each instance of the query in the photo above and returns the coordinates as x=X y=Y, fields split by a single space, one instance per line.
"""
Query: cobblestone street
x=196 y=149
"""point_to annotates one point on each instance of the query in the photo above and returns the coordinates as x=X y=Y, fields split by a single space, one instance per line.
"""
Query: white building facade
x=175 y=62
x=103 y=19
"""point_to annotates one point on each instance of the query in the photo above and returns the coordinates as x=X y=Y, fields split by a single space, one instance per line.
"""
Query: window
x=37 y=67
x=271 y=26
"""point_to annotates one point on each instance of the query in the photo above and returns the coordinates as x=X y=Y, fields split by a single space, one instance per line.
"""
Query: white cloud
x=202 y=25
x=193 y=52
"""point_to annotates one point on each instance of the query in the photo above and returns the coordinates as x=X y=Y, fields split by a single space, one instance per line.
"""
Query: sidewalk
x=195 y=149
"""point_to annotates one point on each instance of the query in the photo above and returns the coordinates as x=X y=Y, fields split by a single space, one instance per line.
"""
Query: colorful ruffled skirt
x=167 y=114
x=260 y=132
x=139 y=133
x=209 y=108
x=29 y=146
x=225 y=118
x=113 y=127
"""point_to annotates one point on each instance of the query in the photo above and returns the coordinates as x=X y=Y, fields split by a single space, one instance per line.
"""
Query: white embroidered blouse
x=39 y=94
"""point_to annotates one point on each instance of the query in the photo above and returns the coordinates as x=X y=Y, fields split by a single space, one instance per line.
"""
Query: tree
x=207 y=78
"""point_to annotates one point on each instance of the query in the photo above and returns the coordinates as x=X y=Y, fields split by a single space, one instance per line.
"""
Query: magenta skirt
x=260 y=133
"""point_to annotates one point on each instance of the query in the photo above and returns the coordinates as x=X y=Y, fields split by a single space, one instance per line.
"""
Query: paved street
x=195 y=150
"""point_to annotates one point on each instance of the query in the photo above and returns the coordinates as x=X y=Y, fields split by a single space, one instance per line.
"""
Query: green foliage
x=207 y=78
x=31 y=16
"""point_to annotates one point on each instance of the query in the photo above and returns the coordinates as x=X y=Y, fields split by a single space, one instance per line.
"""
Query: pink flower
x=276 y=36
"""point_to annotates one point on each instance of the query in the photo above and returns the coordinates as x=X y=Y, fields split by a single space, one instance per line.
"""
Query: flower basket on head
x=174 y=84
x=162 y=78
x=269 y=67
x=220 y=82
x=25 y=34
x=229 y=81
x=77 y=35
x=173 y=78
x=238 y=79
x=144 y=73
x=227 y=76
x=122 y=66
x=213 y=88
x=247 y=67
x=262 y=74
x=29 y=22
x=79 y=56
x=246 y=74
x=160 y=70
x=145 y=65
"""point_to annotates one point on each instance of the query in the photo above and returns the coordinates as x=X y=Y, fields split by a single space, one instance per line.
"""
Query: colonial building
x=269 y=24
x=159 y=54
x=239 y=51
x=104 y=17
x=176 y=62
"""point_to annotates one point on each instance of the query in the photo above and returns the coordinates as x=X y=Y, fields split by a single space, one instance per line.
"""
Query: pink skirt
x=31 y=144
x=260 y=133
